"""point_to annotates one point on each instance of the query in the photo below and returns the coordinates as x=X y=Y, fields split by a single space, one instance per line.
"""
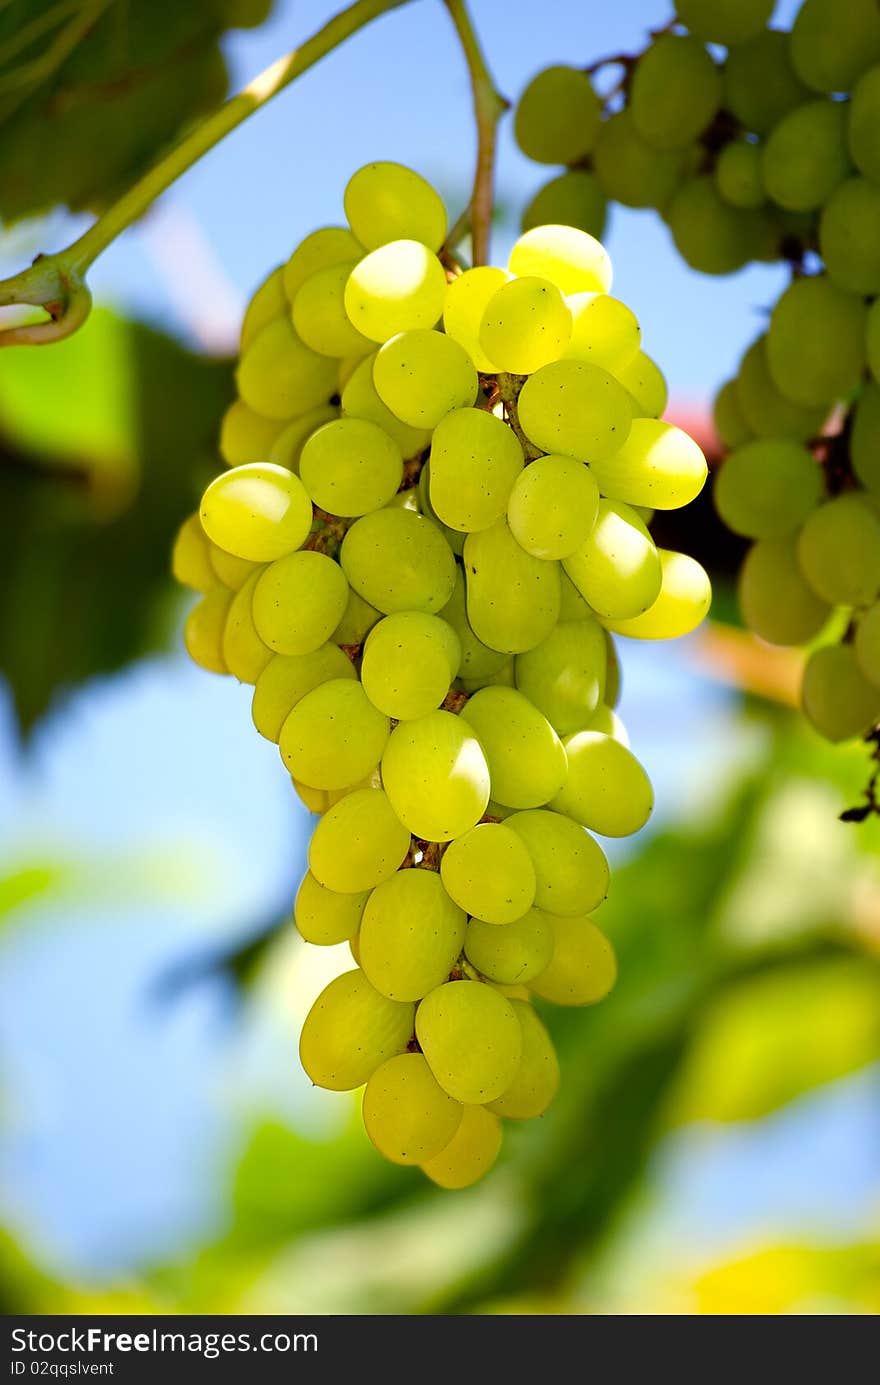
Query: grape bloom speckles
x=435 y=512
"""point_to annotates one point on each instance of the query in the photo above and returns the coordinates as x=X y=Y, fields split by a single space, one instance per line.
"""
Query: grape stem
x=56 y=283
x=489 y=107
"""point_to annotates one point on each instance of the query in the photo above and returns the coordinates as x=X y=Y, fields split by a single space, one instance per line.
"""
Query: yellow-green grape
x=774 y=597
x=436 y=776
x=298 y=602
x=386 y=201
x=466 y=300
x=407 y=1115
x=474 y=463
x=683 y=603
x=632 y=171
x=605 y=332
x=203 y=631
x=320 y=314
x=833 y=44
x=760 y=84
x=675 y=92
x=360 y=400
x=617 y=568
x=512 y=597
x=504 y=678
x=478 y=661
x=325 y=917
x=411 y=935
x=724 y=21
x=571 y=872
x=244 y=653
x=470 y=1153
x=564 y=675
x=489 y=872
x=583 y=968
x=767 y=412
x=334 y=736
x=246 y=436
x=267 y=303
x=409 y=662
x=659 y=466
x=711 y=235
x=576 y=409
x=575 y=198
x=280 y=376
x=525 y=324
x=288 y=446
x=867 y=644
x=329 y=245
x=231 y=571
x=259 y=512
x=837 y=699
x=288 y=677
x=350 y=467
x=738 y=174
x=357 y=621
x=475 y=459
x=606 y=788
x=864 y=443
x=510 y=953
x=816 y=342
x=872 y=339
x=191 y=556
x=849 y=236
x=646 y=386
x=398 y=561
x=359 y=843
x=397 y=288
x=864 y=125
x=516 y=992
x=537 y=1077
x=423 y=375
x=524 y=754
x=729 y=421
x=553 y=506
x=471 y=1038
x=572 y=605
x=321 y=800
x=572 y=260
x=557 y=118
x=768 y=488
x=805 y=156
x=606 y=720
x=839 y=551
x=350 y=1031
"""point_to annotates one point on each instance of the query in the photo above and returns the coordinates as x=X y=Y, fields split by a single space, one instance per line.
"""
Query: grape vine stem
x=489 y=107
x=56 y=283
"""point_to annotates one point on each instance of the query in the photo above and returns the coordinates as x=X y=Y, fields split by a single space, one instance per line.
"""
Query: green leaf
x=92 y=90
x=106 y=440
x=774 y=1037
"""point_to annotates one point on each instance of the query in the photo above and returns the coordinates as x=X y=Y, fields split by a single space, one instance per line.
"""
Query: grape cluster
x=769 y=153
x=432 y=521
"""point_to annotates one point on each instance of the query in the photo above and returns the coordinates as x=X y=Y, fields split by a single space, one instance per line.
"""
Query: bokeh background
x=716 y=1145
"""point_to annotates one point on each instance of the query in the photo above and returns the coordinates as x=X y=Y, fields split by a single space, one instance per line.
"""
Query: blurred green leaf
x=105 y=443
x=92 y=90
x=29 y=882
x=774 y=1037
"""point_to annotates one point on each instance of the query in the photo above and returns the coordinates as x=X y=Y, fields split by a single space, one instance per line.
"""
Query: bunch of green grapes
x=770 y=151
x=433 y=521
